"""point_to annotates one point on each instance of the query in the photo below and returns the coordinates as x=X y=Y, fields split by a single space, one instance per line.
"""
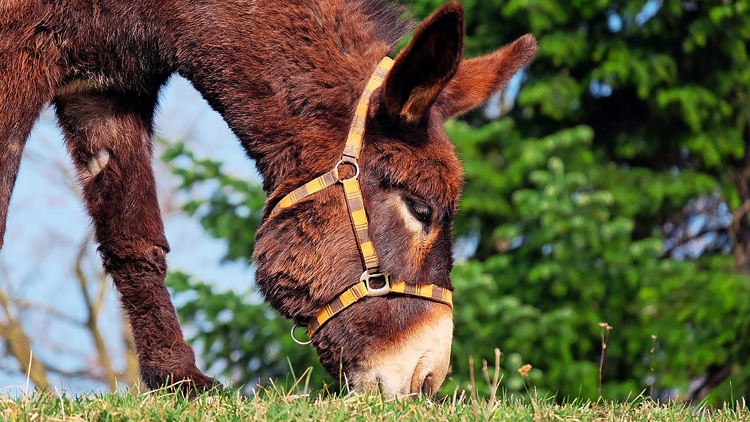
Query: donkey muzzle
x=415 y=364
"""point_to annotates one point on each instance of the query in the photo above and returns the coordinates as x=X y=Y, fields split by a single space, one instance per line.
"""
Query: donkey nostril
x=380 y=386
x=428 y=385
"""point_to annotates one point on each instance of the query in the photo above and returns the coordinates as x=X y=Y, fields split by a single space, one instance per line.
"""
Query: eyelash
x=419 y=210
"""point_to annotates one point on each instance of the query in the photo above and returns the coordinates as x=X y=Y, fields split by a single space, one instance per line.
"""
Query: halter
x=358 y=218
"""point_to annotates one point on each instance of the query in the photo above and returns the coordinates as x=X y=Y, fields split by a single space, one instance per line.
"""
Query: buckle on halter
x=376 y=291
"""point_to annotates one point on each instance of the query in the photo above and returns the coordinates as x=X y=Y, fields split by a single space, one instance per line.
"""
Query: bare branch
x=92 y=321
x=55 y=313
x=132 y=376
x=103 y=282
x=87 y=373
x=19 y=345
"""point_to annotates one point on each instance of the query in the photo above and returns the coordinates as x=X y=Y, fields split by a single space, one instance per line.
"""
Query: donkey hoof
x=189 y=382
x=196 y=384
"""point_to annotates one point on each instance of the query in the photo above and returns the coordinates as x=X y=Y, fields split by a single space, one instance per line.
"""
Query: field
x=278 y=405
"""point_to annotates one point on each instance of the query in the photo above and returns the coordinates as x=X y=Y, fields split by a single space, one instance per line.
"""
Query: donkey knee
x=134 y=261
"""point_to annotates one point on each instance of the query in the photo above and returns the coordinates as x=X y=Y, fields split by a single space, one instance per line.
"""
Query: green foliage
x=234 y=203
x=632 y=109
x=559 y=225
x=240 y=336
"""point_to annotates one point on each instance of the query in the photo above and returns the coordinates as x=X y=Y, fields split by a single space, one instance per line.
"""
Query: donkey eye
x=419 y=210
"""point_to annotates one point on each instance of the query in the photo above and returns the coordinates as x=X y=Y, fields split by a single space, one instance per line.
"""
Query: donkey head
x=410 y=177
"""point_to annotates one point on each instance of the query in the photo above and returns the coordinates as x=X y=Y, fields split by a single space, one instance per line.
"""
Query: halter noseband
x=358 y=217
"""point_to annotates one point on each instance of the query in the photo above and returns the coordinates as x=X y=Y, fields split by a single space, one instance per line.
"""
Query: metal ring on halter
x=303 y=343
x=354 y=163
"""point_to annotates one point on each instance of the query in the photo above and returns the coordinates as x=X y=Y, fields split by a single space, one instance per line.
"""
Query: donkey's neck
x=286 y=75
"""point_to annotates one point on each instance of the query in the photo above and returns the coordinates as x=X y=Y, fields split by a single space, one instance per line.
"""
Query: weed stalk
x=604 y=329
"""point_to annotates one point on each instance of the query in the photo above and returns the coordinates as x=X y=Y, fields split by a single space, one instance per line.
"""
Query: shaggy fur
x=286 y=76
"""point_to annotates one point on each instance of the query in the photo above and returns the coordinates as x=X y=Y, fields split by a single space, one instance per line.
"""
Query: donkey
x=288 y=76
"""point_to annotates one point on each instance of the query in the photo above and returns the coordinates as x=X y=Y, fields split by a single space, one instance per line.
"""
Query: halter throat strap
x=358 y=218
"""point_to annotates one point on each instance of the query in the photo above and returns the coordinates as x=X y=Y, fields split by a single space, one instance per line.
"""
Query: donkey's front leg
x=109 y=137
x=28 y=75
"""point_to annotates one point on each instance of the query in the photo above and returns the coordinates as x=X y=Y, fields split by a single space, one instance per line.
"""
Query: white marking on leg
x=98 y=162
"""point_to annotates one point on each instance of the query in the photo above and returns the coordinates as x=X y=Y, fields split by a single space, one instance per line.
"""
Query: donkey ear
x=477 y=79
x=426 y=65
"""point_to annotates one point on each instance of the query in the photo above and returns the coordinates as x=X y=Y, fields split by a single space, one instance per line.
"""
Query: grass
x=284 y=403
x=275 y=404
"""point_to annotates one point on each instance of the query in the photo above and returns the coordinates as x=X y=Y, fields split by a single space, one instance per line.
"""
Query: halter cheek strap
x=358 y=217
x=352 y=191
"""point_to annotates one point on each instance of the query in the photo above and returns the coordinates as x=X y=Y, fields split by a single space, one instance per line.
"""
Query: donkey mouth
x=416 y=364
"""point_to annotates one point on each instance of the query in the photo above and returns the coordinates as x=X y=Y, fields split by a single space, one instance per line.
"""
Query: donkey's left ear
x=426 y=65
x=477 y=79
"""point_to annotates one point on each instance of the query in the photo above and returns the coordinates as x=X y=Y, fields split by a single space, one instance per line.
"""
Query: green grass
x=277 y=405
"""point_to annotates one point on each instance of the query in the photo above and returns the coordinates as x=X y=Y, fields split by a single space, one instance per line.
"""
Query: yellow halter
x=358 y=217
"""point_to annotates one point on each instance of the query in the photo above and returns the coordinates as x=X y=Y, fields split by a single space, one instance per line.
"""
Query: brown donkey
x=287 y=76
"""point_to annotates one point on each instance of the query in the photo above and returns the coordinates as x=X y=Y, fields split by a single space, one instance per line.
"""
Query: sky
x=47 y=223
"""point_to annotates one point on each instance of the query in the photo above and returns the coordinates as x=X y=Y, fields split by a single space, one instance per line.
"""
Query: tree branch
x=19 y=345
x=47 y=310
x=87 y=373
x=132 y=376
x=92 y=321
